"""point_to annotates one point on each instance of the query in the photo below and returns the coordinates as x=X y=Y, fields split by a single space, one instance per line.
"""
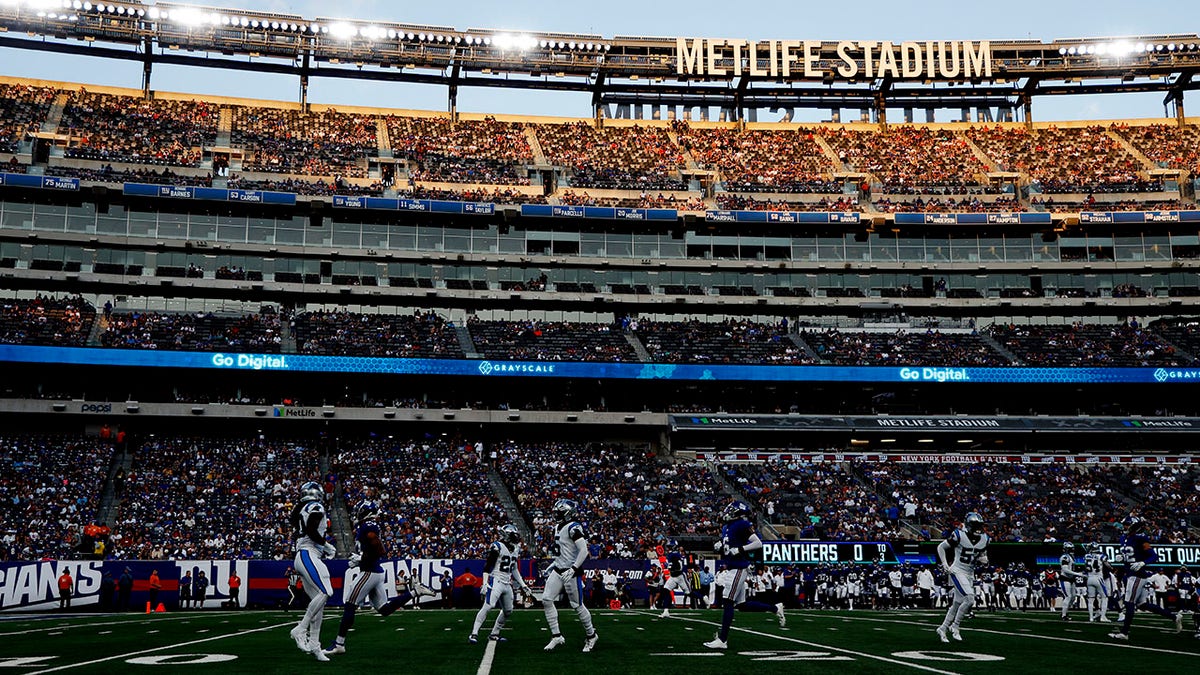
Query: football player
x=738 y=539
x=364 y=580
x=565 y=574
x=499 y=576
x=1137 y=555
x=969 y=545
x=309 y=522
x=1098 y=570
x=677 y=584
x=1068 y=578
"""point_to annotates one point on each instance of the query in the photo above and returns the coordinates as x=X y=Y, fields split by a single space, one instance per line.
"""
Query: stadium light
x=188 y=16
x=342 y=30
x=514 y=42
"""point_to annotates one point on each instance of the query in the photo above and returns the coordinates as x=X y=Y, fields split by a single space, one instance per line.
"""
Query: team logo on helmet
x=565 y=509
x=974 y=523
x=311 y=492
x=509 y=533
x=735 y=510
x=367 y=509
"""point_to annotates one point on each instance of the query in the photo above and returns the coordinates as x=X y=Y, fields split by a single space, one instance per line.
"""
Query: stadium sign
x=807 y=59
x=948 y=458
x=822 y=552
x=933 y=423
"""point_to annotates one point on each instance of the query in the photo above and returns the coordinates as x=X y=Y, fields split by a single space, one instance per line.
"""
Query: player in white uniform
x=677 y=584
x=309 y=522
x=969 y=545
x=565 y=574
x=1068 y=578
x=499 y=576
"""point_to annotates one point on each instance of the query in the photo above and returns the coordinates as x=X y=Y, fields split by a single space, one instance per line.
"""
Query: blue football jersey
x=1137 y=548
x=737 y=534
x=370 y=558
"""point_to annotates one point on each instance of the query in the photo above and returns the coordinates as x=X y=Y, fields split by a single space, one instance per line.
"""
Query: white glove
x=947 y=569
x=732 y=550
x=567 y=574
x=355 y=560
x=1137 y=566
x=328 y=550
x=719 y=546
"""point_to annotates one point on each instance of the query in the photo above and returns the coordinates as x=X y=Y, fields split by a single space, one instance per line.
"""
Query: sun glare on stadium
x=513 y=42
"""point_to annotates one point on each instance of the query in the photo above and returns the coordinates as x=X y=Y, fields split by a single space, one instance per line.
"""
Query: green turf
x=431 y=641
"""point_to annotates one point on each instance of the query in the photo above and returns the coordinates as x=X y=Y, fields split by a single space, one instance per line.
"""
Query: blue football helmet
x=367 y=509
x=311 y=492
x=1134 y=524
x=735 y=510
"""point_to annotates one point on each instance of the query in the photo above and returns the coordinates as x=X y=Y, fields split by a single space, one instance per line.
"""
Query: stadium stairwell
x=106 y=512
x=465 y=341
x=287 y=338
x=1124 y=143
x=510 y=505
x=688 y=160
x=539 y=157
x=638 y=348
x=978 y=152
x=730 y=488
x=339 y=518
x=54 y=117
x=838 y=166
x=805 y=347
x=383 y=139
x=225 y=128
x=994 y=344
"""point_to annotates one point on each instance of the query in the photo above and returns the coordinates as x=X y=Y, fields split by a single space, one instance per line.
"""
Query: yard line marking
x=489 y=655
x=159 y=649
x=1054 y=638
x=818 y=645
x=97 y=624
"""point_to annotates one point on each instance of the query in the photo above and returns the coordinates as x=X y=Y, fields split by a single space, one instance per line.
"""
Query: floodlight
x=188 y=16
x=342 y=30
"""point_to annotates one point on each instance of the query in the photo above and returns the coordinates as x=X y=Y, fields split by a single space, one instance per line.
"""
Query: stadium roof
x=678 y=71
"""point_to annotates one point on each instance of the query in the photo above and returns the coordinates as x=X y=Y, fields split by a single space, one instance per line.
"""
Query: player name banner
x=972 y=218
x=41 y=182
x=27 y=586
x=731 y=456
x=414 y=205
x=574 y=369
x=207 y=193
x=799 y=217
x=933 y=424
x=601 y=212
x=1139 y=217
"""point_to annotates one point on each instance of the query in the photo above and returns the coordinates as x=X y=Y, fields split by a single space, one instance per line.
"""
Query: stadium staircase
x=287 y=339
x=106 y=512
x=1124 y=143
x=225 y=128
x=465 y=341
x=638 y=348
x=688 y=160
x=382 y=139
x=510 y=506
x=838 y=166
x=54 y=117
x=98 y=327
x=730 y=488
x=339 y=517
x=991 y=342
x=539 y=157
x=1184 y=355
x=978 y=152
x=805 y=347
x=909 y=530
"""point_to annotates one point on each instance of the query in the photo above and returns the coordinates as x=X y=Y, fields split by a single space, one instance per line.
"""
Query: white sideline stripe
x=1054 y=638
x=130 y=621
x=818 y=645
x=159 y=649
x=489 y=655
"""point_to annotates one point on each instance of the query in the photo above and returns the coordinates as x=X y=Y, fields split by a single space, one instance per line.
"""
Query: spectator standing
x=155 y=587
x=66 y=586
x=200 y=589
x=107 y=589
x=124 y=589
x=447 y=585
x=185 y=590
x=235 y=589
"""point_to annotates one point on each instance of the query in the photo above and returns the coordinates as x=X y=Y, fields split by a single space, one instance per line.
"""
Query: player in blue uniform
x=1137 y=555
x=738 y=540
x=364 y=581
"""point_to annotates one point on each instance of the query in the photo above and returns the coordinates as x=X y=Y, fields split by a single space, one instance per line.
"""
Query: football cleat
x=666 y=614
x=779 y=613
x=497 y=638
x=1178 y=622
x=955 y=634
x=301 y=637
x=314 y=648
x=473 y=638
x=335 y=648
x=716 y=643
x=1118 y=635
x=941 y=633
x=555 y=642
x=589 y=643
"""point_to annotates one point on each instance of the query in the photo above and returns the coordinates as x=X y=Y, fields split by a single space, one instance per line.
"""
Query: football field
x=631 y=641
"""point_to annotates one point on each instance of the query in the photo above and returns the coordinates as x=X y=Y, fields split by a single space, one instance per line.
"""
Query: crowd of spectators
x=628 y=500
x=725 y=342
x=22 y=109
x=196 y=498
x=140 y=130
x=730 y=201
x=326 y=143
x=533 y=340
x=761 y=161
x=342 y=333
x=313 y=188
x=1067 y=160
x=107 y=174
x=927 y=348
x=623 y=158
x=1168 y=145
x=910 y=157
x=206 y=332
x=645 y=200
x=50 y=486
x=1090 y=203
x=947 y=205
x=435 y=495
x=1081 y=344
x=46 y=320
x=483 y=151
x=484 y=195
